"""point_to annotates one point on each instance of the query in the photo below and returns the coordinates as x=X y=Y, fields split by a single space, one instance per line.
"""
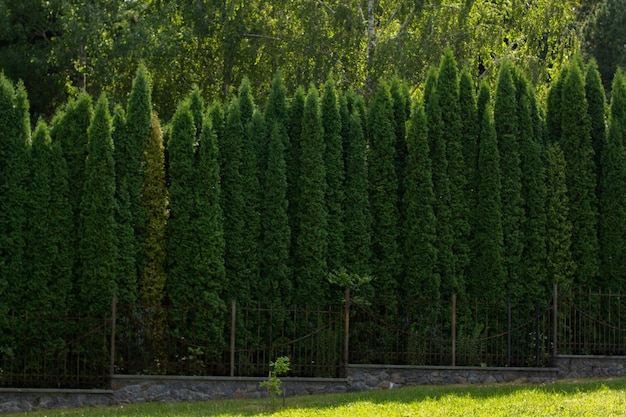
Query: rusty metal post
x=113 y=319
x=555 y=309
x=233 y=323
x=453 y=329
x=346 y=340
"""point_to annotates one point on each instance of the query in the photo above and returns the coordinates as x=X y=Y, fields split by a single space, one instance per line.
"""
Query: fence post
x=346 y=340
x=113 y=320
x=233 y=323
x=538 y=338
x=453 y=329
x=508 y=332
x=555 y=309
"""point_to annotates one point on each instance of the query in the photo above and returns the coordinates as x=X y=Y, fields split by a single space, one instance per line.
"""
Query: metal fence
x=239 y=340
x=55 y=352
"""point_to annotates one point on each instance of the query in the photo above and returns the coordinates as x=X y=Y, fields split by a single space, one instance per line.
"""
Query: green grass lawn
x=605 y=397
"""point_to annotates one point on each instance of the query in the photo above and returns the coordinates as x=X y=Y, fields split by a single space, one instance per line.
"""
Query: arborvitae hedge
x=580 y=175
x=383 y=192
x=310 y=252
x=612 y=225
x=507 y=131
x=97 y=241
x=419 y=252
x=487 y=277
x=154 y=200
x=292 y=193
x=335 y=176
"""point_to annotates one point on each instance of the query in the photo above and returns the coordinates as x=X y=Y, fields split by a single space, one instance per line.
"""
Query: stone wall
x=578 y=366
x=366 y=377
x=142 y=388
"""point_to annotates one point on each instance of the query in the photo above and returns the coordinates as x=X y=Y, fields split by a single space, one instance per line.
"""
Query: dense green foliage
x=477 y=196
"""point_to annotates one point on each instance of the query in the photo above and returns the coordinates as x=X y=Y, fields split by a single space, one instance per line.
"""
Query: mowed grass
x=606 y=397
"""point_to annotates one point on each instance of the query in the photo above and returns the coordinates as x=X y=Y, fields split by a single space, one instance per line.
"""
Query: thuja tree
x=469 y=135
x=233 y=204
x=507 y=131
x=126 y=274
x=357 y=210
x=69 y=130
x=335 y=175
x=310 y=265
x=580 y=175
x=596 y=103
x=487 y=276
x=441 y=186
x=47 y=262
x=97 y=240
x=180 y=233
x=383 y=193
x=421 y=280
x=534 y=273
x=14 y=171
x=612 y=226
x=275 y=285
x=448 y=96
x=293 y=154
x=400 y=97
x=250 y=187
x=553 y=108
x=154 y=201
x=560 y=264
x=138 y=131
x=208 y=220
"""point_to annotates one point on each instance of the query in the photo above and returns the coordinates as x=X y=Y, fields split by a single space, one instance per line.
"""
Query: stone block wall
x=367 y=377
x=127 y=389
x=579 y=366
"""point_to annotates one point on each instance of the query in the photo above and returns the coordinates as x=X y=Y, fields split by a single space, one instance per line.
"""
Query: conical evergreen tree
x=180 y=233
x=357 y=208
x=335 y=176
x=293 y=154
x=233 y=205
x=554 y=116
x=448 y=95
x=534 y=273
x=470 y=127
x=441 y=186
x=383 y=193
x=596 y=101
x=310 y=265
x=69 y=130
x=14 y=171
x=154 y=200
x=208 y=221
x=560 y=264
x=419 y=252
x=580 y=176
x=507 y=131
x=127 y=242
x=98 y=243
x=612 y=226
x=275 y=286
x=138 y=131
x=36 y=296
x=487 y=278
x=250 y=187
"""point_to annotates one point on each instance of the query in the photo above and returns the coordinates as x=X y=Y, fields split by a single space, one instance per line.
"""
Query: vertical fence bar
x=555 y=309
x=233 y=323
x=538 y=338
x=346 y=334
x=508 y=332
x=453 y=329
x=113 y=320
